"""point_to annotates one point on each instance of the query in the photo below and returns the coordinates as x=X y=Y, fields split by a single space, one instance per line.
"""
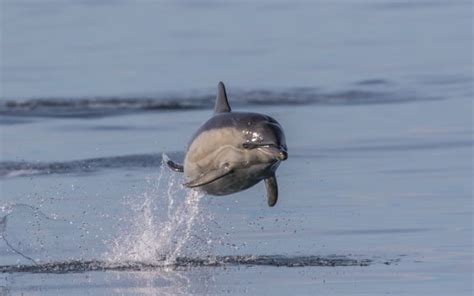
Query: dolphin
x=233 y=151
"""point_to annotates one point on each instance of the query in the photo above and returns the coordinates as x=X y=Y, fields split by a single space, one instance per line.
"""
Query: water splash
x=162 y=221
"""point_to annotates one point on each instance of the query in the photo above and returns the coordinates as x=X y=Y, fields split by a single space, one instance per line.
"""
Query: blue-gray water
x=376 y=101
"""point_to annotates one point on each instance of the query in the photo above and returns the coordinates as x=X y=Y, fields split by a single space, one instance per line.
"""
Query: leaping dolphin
x=233 y=151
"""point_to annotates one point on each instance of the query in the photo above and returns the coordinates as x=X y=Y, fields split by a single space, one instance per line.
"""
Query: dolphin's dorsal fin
x=222 y=105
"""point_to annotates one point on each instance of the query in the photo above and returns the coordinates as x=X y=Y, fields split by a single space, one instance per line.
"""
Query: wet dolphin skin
x=233 y=151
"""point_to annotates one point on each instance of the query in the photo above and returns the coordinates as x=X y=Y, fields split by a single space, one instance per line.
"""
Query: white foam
x=22 y=173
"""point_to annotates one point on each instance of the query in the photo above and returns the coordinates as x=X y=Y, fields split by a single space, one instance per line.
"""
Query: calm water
x=376 y=101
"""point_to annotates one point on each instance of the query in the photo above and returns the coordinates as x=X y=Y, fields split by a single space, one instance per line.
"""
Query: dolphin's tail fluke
x=173 y=165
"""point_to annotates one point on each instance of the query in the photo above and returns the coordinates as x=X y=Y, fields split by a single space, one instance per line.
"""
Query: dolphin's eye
x=250 y=145
x=247 y=145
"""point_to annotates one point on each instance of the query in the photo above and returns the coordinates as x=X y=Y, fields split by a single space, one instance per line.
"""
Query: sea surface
x=375 y=98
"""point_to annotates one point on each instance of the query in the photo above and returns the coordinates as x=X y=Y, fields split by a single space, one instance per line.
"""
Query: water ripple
x=25 y=169
x=188 y=262
x=106 y=106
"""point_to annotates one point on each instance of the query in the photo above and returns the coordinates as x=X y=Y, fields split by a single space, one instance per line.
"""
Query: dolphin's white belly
x=215 y=148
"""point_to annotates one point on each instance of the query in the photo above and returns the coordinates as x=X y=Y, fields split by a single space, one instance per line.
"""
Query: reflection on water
x=163 y=282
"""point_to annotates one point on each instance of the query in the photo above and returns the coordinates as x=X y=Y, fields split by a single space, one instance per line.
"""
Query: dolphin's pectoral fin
x=173 y=165
x=272 y=190
x=209 y=177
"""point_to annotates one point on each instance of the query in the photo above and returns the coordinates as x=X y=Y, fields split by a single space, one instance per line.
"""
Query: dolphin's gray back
x=237 y=120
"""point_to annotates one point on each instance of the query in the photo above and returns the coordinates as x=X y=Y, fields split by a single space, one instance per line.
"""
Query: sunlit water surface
x=376 y=101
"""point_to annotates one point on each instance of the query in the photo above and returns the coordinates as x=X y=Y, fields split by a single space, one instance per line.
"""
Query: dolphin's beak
x=279 y=153
x=283 y=155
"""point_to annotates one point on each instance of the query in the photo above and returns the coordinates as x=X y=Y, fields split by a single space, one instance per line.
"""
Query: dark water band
x=188 y=262
x=26 y=169
x=107 y=106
